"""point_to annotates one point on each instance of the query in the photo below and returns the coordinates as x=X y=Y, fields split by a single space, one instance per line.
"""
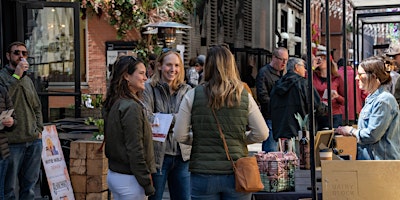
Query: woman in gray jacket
x=163 y=95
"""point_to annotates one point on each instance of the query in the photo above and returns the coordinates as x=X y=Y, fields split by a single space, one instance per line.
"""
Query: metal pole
x=328 y=62
x=311 y=103
x=355 y=66
x=344 y=50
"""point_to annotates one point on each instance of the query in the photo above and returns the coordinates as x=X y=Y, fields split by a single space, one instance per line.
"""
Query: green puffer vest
x=208 y=155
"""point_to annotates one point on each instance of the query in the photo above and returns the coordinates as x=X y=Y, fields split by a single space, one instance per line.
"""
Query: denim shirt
x=378 y=132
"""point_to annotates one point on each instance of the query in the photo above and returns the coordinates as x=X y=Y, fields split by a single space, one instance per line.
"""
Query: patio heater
x=166 y=31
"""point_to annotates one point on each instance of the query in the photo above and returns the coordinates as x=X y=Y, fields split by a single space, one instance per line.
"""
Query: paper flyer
x=160 y=126
x=54 y=165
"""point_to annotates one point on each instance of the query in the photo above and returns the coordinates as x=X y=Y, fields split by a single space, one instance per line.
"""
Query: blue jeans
x=215 y=187
x=176 y=171
x=270 y=145
x=3 y=171
x=25 y=159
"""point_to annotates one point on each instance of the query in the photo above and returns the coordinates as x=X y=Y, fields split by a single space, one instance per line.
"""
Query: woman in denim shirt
x=378 y=133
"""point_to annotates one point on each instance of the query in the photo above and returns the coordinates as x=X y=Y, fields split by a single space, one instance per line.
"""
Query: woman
x=320 y=82
x=129 y=146
x=378 y=133
x=211 y=172
x=163 y=94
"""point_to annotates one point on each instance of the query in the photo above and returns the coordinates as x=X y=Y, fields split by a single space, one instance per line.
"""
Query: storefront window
x=50 y=42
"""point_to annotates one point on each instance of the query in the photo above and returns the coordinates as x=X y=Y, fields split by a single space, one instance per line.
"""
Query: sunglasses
x=18 y=52
x=165 y=50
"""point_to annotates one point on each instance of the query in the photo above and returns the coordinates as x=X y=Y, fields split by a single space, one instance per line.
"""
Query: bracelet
x=16 y=76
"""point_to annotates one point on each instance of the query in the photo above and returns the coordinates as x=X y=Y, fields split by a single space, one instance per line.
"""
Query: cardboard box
x=360 y=180
x=346 y=145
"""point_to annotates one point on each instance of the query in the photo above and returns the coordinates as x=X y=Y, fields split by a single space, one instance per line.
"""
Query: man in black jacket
x=265 y=80
x=290 y=96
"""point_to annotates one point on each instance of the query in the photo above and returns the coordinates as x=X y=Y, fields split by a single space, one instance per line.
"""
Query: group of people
x=192 y=158
x=21 y=143
x=282 y=90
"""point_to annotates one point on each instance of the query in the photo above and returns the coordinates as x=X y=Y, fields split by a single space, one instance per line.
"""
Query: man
x=24 y=141
x=201 y=59
x=265 y=80
x=394 y=52
x=290 y=96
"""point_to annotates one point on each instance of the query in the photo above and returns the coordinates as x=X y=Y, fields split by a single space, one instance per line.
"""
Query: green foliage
x=100 y=125
x=125 y=15
x=303 y=123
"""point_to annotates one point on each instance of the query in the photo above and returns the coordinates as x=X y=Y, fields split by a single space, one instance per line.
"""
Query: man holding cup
x=25 y=140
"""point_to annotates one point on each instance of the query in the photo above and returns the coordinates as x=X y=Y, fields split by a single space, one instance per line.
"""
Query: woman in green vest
x=223 y=92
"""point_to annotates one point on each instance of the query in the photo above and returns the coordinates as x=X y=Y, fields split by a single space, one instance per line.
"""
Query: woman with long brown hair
x=128 y=138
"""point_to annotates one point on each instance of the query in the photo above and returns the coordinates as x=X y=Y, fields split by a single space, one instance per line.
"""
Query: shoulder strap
x=223 y=139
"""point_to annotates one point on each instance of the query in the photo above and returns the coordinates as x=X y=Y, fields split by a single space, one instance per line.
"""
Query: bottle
x=304 y=151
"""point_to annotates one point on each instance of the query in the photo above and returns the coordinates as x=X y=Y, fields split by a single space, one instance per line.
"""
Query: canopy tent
x=371 y=12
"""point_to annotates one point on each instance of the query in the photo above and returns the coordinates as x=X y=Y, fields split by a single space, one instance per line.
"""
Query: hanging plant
x=125 y=15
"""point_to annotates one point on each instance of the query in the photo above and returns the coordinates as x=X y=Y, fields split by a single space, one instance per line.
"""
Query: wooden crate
x=88 y=169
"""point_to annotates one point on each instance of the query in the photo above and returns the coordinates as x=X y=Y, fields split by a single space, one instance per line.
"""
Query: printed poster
x=54 y=165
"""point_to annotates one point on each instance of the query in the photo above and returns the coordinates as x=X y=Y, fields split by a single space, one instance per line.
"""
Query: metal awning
x=369 y=4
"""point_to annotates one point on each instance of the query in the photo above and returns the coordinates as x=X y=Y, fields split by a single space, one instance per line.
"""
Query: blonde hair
x=157 y=73
x=222 y=81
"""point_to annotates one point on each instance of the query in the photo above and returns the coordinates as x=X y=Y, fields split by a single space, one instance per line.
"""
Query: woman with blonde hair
x=163 y=94
x=221 y=93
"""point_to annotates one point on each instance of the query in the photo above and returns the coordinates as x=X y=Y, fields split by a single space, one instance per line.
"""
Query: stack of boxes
x=88 y=170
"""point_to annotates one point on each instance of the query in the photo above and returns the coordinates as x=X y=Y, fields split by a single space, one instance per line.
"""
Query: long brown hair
x=375 y=68
x=222 y=81
x=118 y=84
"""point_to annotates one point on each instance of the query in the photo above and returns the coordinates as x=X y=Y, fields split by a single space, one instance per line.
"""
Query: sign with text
x=54 y=165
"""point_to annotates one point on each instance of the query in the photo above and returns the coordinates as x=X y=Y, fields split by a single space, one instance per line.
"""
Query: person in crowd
x=163 y=95
x=200 y=66
x=152 y=63
x=265 y=80
x=394 y=53
x=350 y=91
x=378 y=132
x=7 y=124
x=222 y=93
x=128 y=138
x=320 y=82
x=192 y=75
x=290 y=96
x=25 y=141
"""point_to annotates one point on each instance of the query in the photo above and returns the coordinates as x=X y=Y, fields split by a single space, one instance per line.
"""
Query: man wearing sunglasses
x=25 y=139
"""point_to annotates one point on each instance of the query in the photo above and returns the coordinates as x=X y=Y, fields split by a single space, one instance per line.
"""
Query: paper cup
x=325 y=155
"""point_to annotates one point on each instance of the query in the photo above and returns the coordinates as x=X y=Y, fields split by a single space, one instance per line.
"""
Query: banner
x=54 y=165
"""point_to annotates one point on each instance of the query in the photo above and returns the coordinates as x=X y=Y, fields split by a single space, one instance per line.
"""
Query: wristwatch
x=352 y=132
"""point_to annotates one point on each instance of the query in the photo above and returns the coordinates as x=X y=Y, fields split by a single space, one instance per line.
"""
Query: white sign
x=160 y=126
x=54 y=165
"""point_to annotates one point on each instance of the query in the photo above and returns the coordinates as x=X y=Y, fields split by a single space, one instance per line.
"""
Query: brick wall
x=98 y=33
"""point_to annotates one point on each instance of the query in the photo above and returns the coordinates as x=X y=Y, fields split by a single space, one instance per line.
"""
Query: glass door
x=51 y=32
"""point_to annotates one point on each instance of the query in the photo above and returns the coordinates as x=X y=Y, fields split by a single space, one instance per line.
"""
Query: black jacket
x=265 y=80
x=288 y=97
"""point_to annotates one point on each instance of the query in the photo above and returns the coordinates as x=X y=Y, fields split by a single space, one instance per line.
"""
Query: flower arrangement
x=125 y=15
